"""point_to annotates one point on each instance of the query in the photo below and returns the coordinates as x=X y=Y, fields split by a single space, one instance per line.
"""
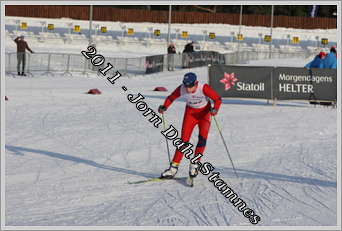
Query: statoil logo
x=231 y=81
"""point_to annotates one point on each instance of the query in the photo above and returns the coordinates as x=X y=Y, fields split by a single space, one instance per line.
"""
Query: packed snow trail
x=70 y=156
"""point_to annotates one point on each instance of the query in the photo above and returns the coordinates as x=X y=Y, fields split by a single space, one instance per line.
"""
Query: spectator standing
x=171 y=51
x=317 y=61
x=21 y=53
x=330 y=60
x=188 y=49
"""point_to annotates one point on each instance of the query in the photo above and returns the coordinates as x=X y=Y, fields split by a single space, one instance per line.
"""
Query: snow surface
x=70 y=155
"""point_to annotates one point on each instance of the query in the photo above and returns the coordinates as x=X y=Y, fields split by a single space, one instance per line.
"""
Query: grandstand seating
x=290 y=48
x=180 y=43
x=312 y=49
x=235 y=46
x=102 y=38
x=29 y=35
x=261 y=47
x=154 y=42
x=71 y=38
x=8 y=35
x=50 y=37
x=210 y=44
x=122 y=40
x=16 y=33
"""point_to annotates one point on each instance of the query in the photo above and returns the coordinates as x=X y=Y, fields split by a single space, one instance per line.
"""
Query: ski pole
x=225 y=145
x=167 y=143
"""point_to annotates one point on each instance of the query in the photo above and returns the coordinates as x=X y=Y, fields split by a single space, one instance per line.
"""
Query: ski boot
x=193 y=172
x=170 y=172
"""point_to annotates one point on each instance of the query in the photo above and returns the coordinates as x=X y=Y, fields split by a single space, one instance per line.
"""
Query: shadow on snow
x=251 y=174
x=19 y=151
x=243 y=173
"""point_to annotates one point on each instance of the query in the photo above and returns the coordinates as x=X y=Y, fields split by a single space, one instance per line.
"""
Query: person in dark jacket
x=317 y=61
x=188 y=49
x=330 y=60
x=171 y=51
x=21 y=57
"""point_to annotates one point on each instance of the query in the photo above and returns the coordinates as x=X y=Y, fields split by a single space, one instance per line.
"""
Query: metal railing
x=67 y=64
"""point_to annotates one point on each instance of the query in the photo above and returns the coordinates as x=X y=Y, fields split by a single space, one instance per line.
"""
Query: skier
x=197 y=112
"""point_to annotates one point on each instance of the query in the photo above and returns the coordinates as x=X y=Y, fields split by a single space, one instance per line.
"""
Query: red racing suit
x=196 y=113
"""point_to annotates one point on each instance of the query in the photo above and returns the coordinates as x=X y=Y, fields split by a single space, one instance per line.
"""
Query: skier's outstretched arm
x=208 y=91
x=168 y=101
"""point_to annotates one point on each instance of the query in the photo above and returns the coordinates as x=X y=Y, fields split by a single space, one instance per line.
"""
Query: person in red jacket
x=198 y=111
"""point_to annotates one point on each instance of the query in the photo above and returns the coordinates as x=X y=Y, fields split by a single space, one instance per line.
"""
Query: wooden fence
x=134 y=15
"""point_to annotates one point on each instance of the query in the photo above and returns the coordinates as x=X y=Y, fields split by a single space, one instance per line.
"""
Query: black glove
x=213 y=111
x=161 y=109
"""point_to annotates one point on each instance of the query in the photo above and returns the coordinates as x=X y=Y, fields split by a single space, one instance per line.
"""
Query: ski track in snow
x=70 y=155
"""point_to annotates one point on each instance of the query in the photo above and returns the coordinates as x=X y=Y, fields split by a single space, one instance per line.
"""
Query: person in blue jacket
x=317 y=61
x=330 y=60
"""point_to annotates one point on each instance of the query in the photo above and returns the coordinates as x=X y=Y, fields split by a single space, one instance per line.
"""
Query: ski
x=155 y=179
x=190 y=181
